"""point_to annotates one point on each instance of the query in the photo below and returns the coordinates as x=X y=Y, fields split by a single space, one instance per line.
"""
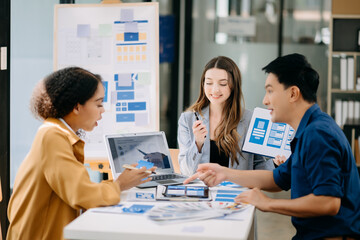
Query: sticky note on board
x=144 y=78
x=131 y=27
x=105 y=30
x=127 y=15
x=124 y=79
x=83 y=30
x=141 y=119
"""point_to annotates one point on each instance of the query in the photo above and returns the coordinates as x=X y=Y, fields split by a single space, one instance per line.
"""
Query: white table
x=95 y=225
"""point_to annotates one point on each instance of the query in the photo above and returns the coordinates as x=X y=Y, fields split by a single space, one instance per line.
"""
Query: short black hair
x=61 y=91
x=295 y=70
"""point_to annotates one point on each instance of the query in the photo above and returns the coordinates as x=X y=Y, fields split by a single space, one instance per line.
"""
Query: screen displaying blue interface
x=186 y=191
x=139 y=149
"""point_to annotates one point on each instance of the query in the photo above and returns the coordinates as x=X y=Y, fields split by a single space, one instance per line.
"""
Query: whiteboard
x=120 y=42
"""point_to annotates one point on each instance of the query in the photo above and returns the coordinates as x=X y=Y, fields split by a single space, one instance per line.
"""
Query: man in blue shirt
x=321 y=171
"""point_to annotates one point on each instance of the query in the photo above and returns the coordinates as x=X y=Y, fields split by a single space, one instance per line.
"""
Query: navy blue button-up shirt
x=322 y=163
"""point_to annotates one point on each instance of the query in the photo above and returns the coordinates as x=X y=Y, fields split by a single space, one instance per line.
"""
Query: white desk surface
x=95 y=225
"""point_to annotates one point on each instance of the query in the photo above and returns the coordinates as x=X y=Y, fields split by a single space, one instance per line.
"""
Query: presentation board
x=267 y=138
x=120 y=42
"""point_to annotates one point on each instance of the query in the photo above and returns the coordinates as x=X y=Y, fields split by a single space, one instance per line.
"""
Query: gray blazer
x=190 y=158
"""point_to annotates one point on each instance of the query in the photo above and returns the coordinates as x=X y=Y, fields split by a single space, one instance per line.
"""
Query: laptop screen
x=132 y=148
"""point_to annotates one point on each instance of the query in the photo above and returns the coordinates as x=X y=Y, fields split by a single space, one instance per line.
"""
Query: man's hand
x=303 y=207
x=210 y=173
x=278 y=160
x=255 y=197
x=131 y=178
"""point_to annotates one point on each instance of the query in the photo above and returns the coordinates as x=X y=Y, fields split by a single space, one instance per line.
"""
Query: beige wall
x=351 y=7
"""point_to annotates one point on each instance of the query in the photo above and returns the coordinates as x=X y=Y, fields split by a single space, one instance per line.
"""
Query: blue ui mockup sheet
x=267 y=138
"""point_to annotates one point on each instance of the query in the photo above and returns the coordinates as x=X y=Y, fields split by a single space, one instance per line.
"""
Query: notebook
x=151 y=148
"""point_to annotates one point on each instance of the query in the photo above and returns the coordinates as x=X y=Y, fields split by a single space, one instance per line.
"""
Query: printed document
x=193 y=211
x=267 y=138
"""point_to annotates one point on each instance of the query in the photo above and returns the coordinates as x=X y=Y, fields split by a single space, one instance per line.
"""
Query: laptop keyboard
x=166 y=177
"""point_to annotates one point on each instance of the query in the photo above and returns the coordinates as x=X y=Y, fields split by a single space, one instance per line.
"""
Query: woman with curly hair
x=52 y=184
x=213 y=129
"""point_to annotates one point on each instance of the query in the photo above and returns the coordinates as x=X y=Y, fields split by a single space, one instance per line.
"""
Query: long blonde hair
x=226 y=135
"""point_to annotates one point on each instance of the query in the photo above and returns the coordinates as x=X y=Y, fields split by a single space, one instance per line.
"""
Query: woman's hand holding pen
x=200 y=131
x=130 y=178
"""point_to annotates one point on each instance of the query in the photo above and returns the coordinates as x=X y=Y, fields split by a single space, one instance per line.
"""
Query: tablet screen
x=187 y=191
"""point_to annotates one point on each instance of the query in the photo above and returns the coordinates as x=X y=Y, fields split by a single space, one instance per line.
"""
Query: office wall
x=253 y=53
x=250 y=55
x=317 y=56
x=31 y=59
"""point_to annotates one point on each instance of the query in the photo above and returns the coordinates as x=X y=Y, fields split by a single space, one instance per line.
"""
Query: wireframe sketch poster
x=267 y=138
x=120 y=43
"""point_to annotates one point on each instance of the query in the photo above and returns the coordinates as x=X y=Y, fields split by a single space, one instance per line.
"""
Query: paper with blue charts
x=267 y=138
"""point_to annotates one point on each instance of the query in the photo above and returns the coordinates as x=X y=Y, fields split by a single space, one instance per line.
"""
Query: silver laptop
x=148 y=148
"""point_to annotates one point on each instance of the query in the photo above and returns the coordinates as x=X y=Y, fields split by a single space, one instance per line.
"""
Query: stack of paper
x=184 y=212
x=227 y=195
x=121 y=209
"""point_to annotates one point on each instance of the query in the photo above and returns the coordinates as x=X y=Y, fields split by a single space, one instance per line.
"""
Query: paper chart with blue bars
x=120 y=43
x=267 y=138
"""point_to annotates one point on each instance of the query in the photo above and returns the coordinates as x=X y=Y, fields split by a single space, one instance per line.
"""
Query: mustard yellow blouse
x=52 y=185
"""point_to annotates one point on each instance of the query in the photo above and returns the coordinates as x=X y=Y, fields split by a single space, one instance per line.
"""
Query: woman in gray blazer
x=213 y=129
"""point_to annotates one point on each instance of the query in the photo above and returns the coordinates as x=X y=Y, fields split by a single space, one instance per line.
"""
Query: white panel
x=3 y=60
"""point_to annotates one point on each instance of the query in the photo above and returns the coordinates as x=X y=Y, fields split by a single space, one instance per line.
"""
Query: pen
x=197 y=118
x=128 y=166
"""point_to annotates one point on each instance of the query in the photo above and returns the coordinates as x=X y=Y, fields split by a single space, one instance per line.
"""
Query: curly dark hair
x=57 y=94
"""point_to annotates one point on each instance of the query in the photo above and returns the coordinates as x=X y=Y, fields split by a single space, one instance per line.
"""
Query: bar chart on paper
x=267 y=138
